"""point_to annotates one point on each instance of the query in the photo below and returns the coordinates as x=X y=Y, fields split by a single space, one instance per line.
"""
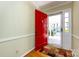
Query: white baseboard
x=27 y=52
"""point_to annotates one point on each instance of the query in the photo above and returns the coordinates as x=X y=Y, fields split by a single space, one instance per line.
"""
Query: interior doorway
x=54 y=29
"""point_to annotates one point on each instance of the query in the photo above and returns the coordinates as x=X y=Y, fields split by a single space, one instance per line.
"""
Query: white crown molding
x=15 y=38
x=33 y=3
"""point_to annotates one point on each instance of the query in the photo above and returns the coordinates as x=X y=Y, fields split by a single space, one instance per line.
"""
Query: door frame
x=63 y=11
x=70 y=23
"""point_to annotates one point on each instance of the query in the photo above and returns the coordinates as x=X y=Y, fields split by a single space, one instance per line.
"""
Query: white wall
x=16 y=19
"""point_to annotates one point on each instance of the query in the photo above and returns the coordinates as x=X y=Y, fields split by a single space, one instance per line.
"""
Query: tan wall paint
x=16 y=19
x=76 y=24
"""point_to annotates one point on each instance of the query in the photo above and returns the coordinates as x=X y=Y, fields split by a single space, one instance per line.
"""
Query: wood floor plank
x=36 y=54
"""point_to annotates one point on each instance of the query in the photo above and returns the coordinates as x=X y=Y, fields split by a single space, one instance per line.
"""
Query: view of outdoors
x=54 y=29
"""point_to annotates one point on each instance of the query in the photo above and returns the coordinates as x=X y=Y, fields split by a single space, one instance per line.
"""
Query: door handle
x=61 y=29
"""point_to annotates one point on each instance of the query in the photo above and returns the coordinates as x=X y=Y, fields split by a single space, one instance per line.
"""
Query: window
x=66 y=15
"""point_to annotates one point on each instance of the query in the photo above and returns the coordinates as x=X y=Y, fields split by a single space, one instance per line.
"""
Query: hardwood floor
x=36 y=54
x=51 y=52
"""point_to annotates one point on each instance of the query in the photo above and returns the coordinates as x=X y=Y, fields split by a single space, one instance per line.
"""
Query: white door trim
x=67 y=41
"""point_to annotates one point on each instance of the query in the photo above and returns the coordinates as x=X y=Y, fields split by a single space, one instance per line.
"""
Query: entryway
x=59 y=29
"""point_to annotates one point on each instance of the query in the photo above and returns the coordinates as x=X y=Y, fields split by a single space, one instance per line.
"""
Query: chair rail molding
x=16 y=37
x=75 y=36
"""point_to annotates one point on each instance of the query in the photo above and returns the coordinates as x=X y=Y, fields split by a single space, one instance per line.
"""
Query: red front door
x=40 y=29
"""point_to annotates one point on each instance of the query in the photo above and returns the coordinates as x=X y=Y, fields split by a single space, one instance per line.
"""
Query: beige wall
x=76 y=24
x=16 y=20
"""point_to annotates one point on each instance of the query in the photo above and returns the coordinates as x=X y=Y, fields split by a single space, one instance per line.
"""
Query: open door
x=40 y=29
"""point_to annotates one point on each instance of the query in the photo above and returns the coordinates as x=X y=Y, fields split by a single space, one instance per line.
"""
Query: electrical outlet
x=17 y=51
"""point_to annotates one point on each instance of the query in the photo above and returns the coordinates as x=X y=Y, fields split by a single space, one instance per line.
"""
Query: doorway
x=54 y=29
x=60 y=29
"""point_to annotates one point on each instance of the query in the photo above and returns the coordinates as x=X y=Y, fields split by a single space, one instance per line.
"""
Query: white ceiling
x=46 y=4
x=40 y=3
